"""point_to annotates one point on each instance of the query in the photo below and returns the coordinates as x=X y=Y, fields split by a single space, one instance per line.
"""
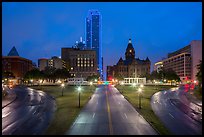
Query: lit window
x=71 y=68
x=130 y=50
x=91 y=65
x=78 y=58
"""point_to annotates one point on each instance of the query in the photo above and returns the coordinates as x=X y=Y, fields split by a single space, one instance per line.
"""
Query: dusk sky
x=39 y=30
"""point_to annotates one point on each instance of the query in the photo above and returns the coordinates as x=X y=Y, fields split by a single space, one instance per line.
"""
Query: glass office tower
x=93 y=36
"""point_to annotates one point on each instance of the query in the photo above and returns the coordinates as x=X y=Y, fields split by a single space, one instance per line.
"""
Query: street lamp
x=134 y=84
x=141 y=85
x=62 y=85
x=79 y=91
x=139 y=92
x=40 y=83
x=91 y=84
x=31 y=82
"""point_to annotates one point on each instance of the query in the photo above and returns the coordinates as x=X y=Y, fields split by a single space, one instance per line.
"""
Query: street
x=179 y=115
x=29 y=114
x=109 y=113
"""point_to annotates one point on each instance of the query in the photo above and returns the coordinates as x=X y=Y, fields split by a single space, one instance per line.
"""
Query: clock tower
x=130 y=51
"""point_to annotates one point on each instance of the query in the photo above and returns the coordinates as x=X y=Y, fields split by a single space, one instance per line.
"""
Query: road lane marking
x=109 y=115
x=171 y=115
x=3 y=116
x=125 y=115
x=93 y=115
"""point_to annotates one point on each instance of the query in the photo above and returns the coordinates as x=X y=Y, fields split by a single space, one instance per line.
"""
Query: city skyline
x=50 y=26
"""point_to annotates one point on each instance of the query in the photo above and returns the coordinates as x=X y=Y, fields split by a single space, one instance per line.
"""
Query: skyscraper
x=93 y=36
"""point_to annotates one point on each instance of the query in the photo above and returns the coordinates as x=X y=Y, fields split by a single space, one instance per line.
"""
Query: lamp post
x=62 y=85
x=31 y=82
x=139 y=91
x=40 y=84
x=91 y=83
x=79 y=91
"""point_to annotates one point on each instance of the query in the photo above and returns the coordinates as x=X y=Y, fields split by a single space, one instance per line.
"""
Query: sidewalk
x=11 y=97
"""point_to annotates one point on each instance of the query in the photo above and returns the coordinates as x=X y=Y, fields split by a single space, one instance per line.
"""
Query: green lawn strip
x=67 y=106
x=198 y=93
x=131 y=95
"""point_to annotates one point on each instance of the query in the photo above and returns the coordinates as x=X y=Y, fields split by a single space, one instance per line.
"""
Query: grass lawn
x=198 y=93
x=146 y=111
x=67 y=106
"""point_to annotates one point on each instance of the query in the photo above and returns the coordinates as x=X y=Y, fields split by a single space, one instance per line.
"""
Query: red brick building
x=16 y=64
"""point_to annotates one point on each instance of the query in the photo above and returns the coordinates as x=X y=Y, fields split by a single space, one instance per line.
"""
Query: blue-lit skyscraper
x=93 y=36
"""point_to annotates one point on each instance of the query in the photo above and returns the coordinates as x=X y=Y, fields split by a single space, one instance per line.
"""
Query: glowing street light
x=79 y=91
x=164 y=80
x=91 y=83
x=134 y=84
x=95 y=80
x=141 y=85
x=31 y=82
x=62 y=85
x=40 y=80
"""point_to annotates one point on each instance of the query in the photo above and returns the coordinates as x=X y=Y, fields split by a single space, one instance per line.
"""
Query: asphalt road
x=29 y=114
x=177 y=112
x=109 y=113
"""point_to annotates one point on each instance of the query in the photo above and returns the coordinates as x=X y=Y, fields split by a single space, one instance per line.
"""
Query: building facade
x=93 y=36
x=16 y=64
x=80 y=44
x=55 y=62
x=131 y=67
x=185 y=60
x=81 y=63
x=158 y=66
x=42 y=63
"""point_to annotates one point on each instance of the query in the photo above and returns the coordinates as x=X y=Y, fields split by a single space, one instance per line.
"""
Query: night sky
x=39 y=30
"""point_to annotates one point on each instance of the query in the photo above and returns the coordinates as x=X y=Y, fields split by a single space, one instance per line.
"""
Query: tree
x=171 y=75
x=147 y=76
x=118 y=76
x=92 y=77
x=199 y=73
x=7 y=75
x=33 y=74
x=49 y=73
x=155 y=76
x=61 y=73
